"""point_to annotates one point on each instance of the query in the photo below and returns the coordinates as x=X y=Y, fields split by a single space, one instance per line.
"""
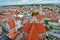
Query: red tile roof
x=52 y=17
x=39 y=16
x=35 y=29
x=48 y=16
x=39 y=27
x=16 y=11
x=9 y=14
x=11 y=23
x=1 y=19
x=26 y=27
x=13 y=34
x=33 y=35
x=54 y=20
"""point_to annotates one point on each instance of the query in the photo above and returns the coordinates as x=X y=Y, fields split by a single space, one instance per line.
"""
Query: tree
x=35 y=13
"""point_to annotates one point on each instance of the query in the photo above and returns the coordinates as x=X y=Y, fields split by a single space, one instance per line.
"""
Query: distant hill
x=29 y=5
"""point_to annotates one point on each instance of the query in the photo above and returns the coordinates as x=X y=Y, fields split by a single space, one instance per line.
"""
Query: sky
x=20 y=2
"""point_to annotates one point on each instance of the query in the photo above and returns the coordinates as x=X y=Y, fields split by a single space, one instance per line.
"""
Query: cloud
x=19 y=2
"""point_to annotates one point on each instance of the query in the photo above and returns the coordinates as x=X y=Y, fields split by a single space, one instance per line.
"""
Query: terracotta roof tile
x=54 y=20
x=27 y=27
x=13 y=34
x=52 y=17
x=11 y=23
x=36 y=28
x=39 y=16
x=9 y=14
x=40 y=27
x=16 y=11
x=1 y=19
x=33 y=35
